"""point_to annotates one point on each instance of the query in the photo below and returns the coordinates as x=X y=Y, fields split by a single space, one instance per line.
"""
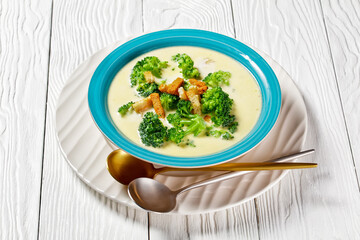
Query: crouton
x=194 y=98
x=149 y=77
x=142 y=105
x=192 y=90
x=173 y=87
x=201 y=86
x=163 y=88
x=155 y=98
x=182 y=94
x=207 y=118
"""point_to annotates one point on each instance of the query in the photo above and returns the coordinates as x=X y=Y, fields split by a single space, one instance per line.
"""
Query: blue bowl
x=110 y=66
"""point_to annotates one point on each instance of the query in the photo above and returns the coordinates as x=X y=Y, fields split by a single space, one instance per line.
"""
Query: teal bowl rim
x=255 y=64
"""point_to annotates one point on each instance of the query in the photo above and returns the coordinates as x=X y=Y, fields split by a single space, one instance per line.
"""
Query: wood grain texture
x=69 y=208
x=24 y=51
x=322 y=203
x=342 y=19
x=212 y=15
x=235 y=223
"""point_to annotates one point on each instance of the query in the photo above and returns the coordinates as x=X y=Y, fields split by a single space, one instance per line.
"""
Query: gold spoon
x=125 y=168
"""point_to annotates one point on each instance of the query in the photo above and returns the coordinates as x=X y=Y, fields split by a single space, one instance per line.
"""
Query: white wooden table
x=43 y=41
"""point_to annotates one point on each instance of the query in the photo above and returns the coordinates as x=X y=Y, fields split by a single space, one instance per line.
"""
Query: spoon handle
x=230 y=175
x=252 y=166
x=258 y=166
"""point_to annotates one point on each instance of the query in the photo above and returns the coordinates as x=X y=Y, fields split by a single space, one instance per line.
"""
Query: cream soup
x=243 y=89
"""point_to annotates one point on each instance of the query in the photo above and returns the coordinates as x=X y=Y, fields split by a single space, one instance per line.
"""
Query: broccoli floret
x=184 y=108
x=194 y=124
x=233 y=126
x=210 y=131
x=186 y=85
x=152 y=64
x=125 y=108
x=145 y=89
x=227 y=136
x=152 y=131
x=218 y=78
x=174 y=119
x=186 y=64
x=176 y=134
x=218 y=103
x=169 y=101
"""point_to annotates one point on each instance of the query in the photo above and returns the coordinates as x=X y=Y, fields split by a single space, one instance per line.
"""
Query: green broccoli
x=152 y=131
x=227 y=136
x=125 y=108
x=184 y=108
x=145 y=89
x=152 y=64
x=169 y=101
x=218 y=103
x=218 y=78
x=176 y=135
x=186 y=64
x=175 y=119
x=217 y=133
x=186 y=85
x=233 y=126
x=194 y=124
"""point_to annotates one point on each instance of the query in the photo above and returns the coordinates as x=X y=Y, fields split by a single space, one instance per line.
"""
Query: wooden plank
x=234 y=223
x=322 y=203
x=24 y=50
x=69 y=208
x=342 y=21
x=213 y=15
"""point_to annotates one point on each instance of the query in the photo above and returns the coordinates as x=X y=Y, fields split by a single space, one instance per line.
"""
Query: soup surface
x=243 y=89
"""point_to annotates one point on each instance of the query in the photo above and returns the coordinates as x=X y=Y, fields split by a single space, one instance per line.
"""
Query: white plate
x=86 y=149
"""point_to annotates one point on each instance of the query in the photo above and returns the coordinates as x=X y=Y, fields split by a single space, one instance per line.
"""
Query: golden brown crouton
x=149 y=77
x=194 y=98
x=201 y=86
x=155 y=98
x=182 y=94
x=142 y=105
x=163 y=88
x=173 y=87
x=207 y=118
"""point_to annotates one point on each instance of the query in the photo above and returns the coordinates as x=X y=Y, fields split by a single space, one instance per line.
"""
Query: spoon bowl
x=125 y=167
x=159 y=198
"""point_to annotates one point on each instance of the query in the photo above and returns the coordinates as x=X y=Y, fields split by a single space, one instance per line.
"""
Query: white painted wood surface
x=69 y=208
x=316 y=42
x=323 y=203
x=342 y=21
x=24 y=53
